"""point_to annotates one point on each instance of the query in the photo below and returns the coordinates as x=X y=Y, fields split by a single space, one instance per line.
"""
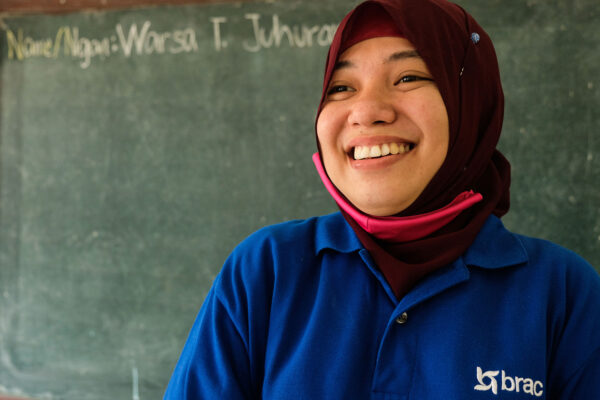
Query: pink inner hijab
x=400 y=229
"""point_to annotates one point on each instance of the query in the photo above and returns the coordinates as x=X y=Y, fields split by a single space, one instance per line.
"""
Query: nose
x=372 y=107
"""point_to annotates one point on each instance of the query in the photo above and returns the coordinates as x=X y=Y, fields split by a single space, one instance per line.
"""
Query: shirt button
x=402 y=318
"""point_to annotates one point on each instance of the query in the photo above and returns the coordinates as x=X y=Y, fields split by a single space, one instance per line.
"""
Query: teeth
x=385 y=149
x=362 y=152
x=375 y=152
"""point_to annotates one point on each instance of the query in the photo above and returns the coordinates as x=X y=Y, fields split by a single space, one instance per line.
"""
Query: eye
x=412 y=78
x=411 y=81
x=339 y=92
x=338 y=89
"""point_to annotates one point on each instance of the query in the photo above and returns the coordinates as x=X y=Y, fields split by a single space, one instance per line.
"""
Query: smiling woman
x=415 y=289
x=383 y=127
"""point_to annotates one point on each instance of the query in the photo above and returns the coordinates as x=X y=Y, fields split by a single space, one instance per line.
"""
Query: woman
x=415 y=290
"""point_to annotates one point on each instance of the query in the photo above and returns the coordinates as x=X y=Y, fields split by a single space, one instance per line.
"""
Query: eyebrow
x=402 y=55
x=397 y=56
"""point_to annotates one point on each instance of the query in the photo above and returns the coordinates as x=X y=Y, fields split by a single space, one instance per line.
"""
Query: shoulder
x=546 y=274
x=305 y=236
x=564 y=265
x=283 y=251
x=573 y=290
x=497 y=247
x=302 y=233
x=571 y=283
x=572 y=311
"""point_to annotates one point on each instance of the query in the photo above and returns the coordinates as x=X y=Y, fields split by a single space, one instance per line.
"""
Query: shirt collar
x=494 y=247
x=333 y=232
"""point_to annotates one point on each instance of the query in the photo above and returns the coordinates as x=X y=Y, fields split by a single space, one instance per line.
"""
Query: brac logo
x=488 y=381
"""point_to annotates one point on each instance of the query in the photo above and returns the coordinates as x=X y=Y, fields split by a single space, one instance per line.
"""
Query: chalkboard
x=138 y=147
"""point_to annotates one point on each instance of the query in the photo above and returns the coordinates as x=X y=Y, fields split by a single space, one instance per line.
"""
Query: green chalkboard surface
x=138 y=147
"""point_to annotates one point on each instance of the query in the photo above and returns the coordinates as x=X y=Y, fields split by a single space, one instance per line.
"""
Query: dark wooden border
x=67 y=6
x=2 y=397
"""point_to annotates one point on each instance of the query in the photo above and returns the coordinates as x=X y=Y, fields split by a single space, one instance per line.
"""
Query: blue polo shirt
x=300 y=311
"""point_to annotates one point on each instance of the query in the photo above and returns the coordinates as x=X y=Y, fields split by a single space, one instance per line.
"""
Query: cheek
x=441 y=112
x=327 y=133
x=321 y=129
x=433 y=111
x=442 y=129
x=435 y=123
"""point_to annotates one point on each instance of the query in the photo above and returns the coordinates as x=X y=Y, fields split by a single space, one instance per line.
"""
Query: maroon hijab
x=462 y=60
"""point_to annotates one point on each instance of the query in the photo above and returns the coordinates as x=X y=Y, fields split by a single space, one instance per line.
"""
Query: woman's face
x=383 y=128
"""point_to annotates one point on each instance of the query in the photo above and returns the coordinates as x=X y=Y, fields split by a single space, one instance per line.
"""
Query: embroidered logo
x=489 y=381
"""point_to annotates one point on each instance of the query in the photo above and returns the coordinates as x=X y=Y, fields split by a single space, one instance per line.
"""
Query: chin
x=382 y=210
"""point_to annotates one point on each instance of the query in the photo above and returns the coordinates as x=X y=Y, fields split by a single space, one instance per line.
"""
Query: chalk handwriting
x=219 y=43
x=140 y=39
x=139 y=42
x=148 y=42
x=295 y=36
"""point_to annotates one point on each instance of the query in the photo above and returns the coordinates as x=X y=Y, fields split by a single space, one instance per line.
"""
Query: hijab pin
x=475 y=37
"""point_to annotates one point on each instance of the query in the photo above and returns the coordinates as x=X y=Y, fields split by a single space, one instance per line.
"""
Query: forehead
x=386 y=50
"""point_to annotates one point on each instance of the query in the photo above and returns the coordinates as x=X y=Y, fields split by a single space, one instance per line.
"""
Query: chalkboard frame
x=68 y=6
x=162 y=229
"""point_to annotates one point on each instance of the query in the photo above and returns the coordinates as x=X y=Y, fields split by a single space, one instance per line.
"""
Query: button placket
x=396 y=357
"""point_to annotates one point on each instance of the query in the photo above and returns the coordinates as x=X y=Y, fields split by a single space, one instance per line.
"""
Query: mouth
x=378 y=151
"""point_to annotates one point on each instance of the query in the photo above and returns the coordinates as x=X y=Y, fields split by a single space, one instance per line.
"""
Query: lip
x=376 y=163
x=374 y=141
x=379 y=163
